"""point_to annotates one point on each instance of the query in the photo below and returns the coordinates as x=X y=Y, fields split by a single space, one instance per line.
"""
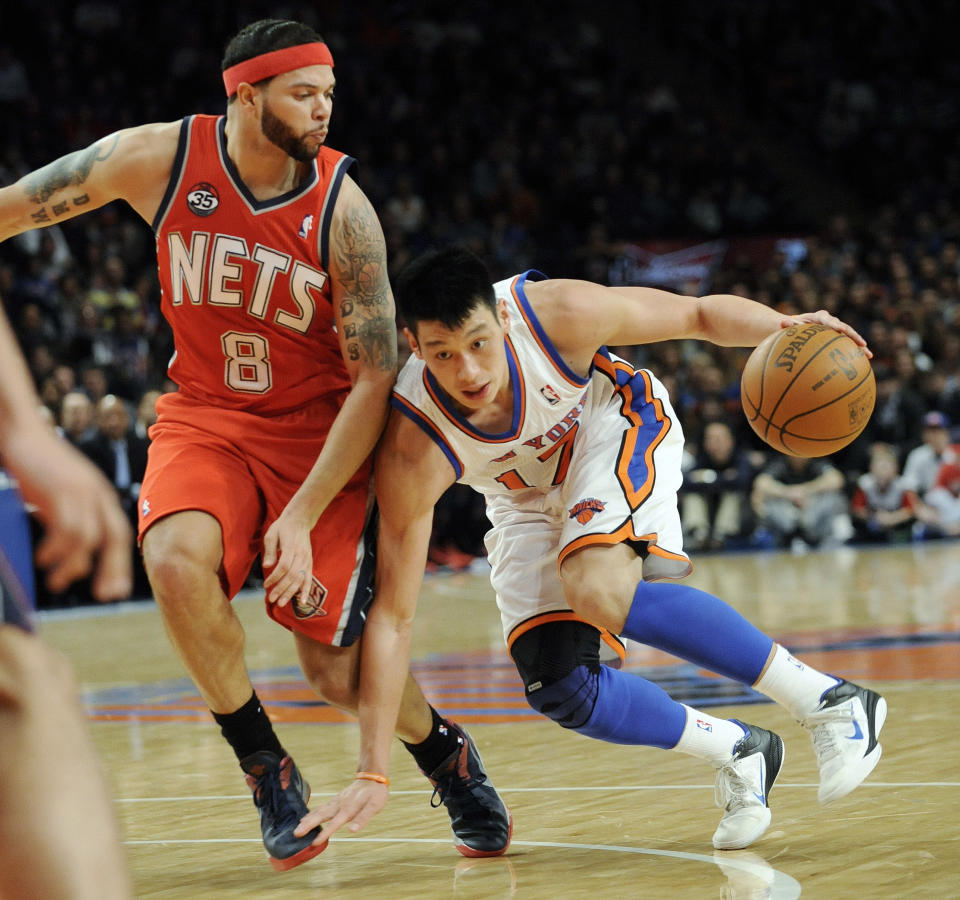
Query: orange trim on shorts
x=654 y=548
x=611 y=640
x=624 y=533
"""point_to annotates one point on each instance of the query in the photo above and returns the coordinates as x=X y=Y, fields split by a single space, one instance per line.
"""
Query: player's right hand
x=354 y=806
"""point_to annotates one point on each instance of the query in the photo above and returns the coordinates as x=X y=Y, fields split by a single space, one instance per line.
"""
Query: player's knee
x=338 y=692
x=569 y=701
x=333 y=673
x=169 y=578
x=177 y=565
x=559 y=663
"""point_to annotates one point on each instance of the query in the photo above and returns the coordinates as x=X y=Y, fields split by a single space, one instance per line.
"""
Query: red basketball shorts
x=242 y=469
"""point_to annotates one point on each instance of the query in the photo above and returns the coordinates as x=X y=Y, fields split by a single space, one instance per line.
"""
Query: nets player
x=273 y=274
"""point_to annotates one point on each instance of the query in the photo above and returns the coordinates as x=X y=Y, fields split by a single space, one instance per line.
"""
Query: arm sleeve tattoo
x=366 y=305
x=72 y=169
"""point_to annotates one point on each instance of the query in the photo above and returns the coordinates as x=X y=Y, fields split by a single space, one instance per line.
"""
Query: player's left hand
x=288 y=551
x=354 y=806
x=822 y=317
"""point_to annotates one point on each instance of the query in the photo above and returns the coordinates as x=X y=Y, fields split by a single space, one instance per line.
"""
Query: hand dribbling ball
x=808 y=390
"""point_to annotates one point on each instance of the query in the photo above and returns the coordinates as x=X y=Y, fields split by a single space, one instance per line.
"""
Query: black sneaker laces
x=269 y=795
x=459 y=791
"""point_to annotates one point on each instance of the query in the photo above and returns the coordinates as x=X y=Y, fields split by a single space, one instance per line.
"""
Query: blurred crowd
x=554 y=141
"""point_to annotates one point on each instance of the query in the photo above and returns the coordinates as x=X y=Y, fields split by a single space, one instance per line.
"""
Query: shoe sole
x=745 y=842
x=466 y=850
x=291 y=862
x=866 y=765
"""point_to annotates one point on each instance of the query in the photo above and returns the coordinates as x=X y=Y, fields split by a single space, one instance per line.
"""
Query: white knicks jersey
x=586 y=462
x=550 y=403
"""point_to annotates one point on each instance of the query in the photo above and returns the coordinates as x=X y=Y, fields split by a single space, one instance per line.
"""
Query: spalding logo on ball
x=808 y=390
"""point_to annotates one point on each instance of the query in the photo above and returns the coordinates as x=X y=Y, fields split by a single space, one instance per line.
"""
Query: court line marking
x=536 y=790
x=782 y=887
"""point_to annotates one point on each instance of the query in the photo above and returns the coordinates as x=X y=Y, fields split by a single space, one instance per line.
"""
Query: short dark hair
x=443 y=286
x=264 y=36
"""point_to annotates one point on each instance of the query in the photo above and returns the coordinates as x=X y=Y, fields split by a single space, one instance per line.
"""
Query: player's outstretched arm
x=133 y=165
x=411 y=475
x=365 y=319
x=581 y=316
x=85 y=527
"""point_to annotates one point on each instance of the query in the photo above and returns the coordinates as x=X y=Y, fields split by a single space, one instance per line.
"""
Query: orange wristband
x=372 y=776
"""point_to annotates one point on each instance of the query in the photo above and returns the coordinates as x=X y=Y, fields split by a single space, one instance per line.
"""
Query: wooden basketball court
x=591 y=819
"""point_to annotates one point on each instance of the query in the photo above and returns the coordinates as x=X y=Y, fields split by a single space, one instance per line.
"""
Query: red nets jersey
x=245 y=284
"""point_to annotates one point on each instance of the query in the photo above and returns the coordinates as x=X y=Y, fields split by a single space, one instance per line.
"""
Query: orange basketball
x=808 y=390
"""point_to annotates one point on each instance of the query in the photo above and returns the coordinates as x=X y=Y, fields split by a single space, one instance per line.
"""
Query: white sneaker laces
x=823 y=730
x=731 y=790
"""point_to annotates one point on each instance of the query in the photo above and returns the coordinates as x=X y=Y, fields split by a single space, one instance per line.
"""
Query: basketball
x=808 y=390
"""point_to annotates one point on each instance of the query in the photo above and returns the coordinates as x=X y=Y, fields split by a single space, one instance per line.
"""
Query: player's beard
x=278 y=132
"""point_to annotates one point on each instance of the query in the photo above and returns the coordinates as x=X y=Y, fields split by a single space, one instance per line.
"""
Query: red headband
x=266 y=65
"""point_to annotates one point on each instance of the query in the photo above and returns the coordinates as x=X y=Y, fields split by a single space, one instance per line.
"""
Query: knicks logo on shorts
x=313 y=605
x=585 y=510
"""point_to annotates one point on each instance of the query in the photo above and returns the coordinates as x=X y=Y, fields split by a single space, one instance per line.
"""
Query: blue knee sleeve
x=569 y=701
x=698 y=627
x=613 y=706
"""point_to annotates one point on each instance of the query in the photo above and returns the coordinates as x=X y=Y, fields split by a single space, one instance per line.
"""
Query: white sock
x=709 y=737
x=793 y=684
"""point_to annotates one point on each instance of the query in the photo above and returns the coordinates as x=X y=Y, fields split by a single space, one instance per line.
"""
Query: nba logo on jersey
x=312 y=605
x=305 y=226
x=552 y=397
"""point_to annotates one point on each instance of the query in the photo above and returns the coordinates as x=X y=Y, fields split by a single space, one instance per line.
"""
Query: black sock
x=248 y=729
x=440 y=744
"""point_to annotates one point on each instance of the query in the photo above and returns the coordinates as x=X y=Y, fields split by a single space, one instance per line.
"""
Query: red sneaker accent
x=283 y=865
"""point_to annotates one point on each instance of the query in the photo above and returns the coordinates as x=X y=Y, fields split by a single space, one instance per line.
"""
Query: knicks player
x=511 y=390
x=273 y=268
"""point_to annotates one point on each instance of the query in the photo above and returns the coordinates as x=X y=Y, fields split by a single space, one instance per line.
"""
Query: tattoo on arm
x=366 y=308
x=72 y=169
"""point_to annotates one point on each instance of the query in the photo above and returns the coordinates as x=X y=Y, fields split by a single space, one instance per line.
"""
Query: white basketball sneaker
x=844 y=729
x=743 y=786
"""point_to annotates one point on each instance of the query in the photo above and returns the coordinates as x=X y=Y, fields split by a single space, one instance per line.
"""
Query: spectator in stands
x=923 y=463
x=76 y=418
x=121 y=455
x=126 y=350
x=406 y=209
x=95 y=383
x=118 y=452
x=940 y=512
x=800 y=503
x=110 y=292
x=715 y=498
x=899 y=410
x=881 y=508
x=146 y=413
